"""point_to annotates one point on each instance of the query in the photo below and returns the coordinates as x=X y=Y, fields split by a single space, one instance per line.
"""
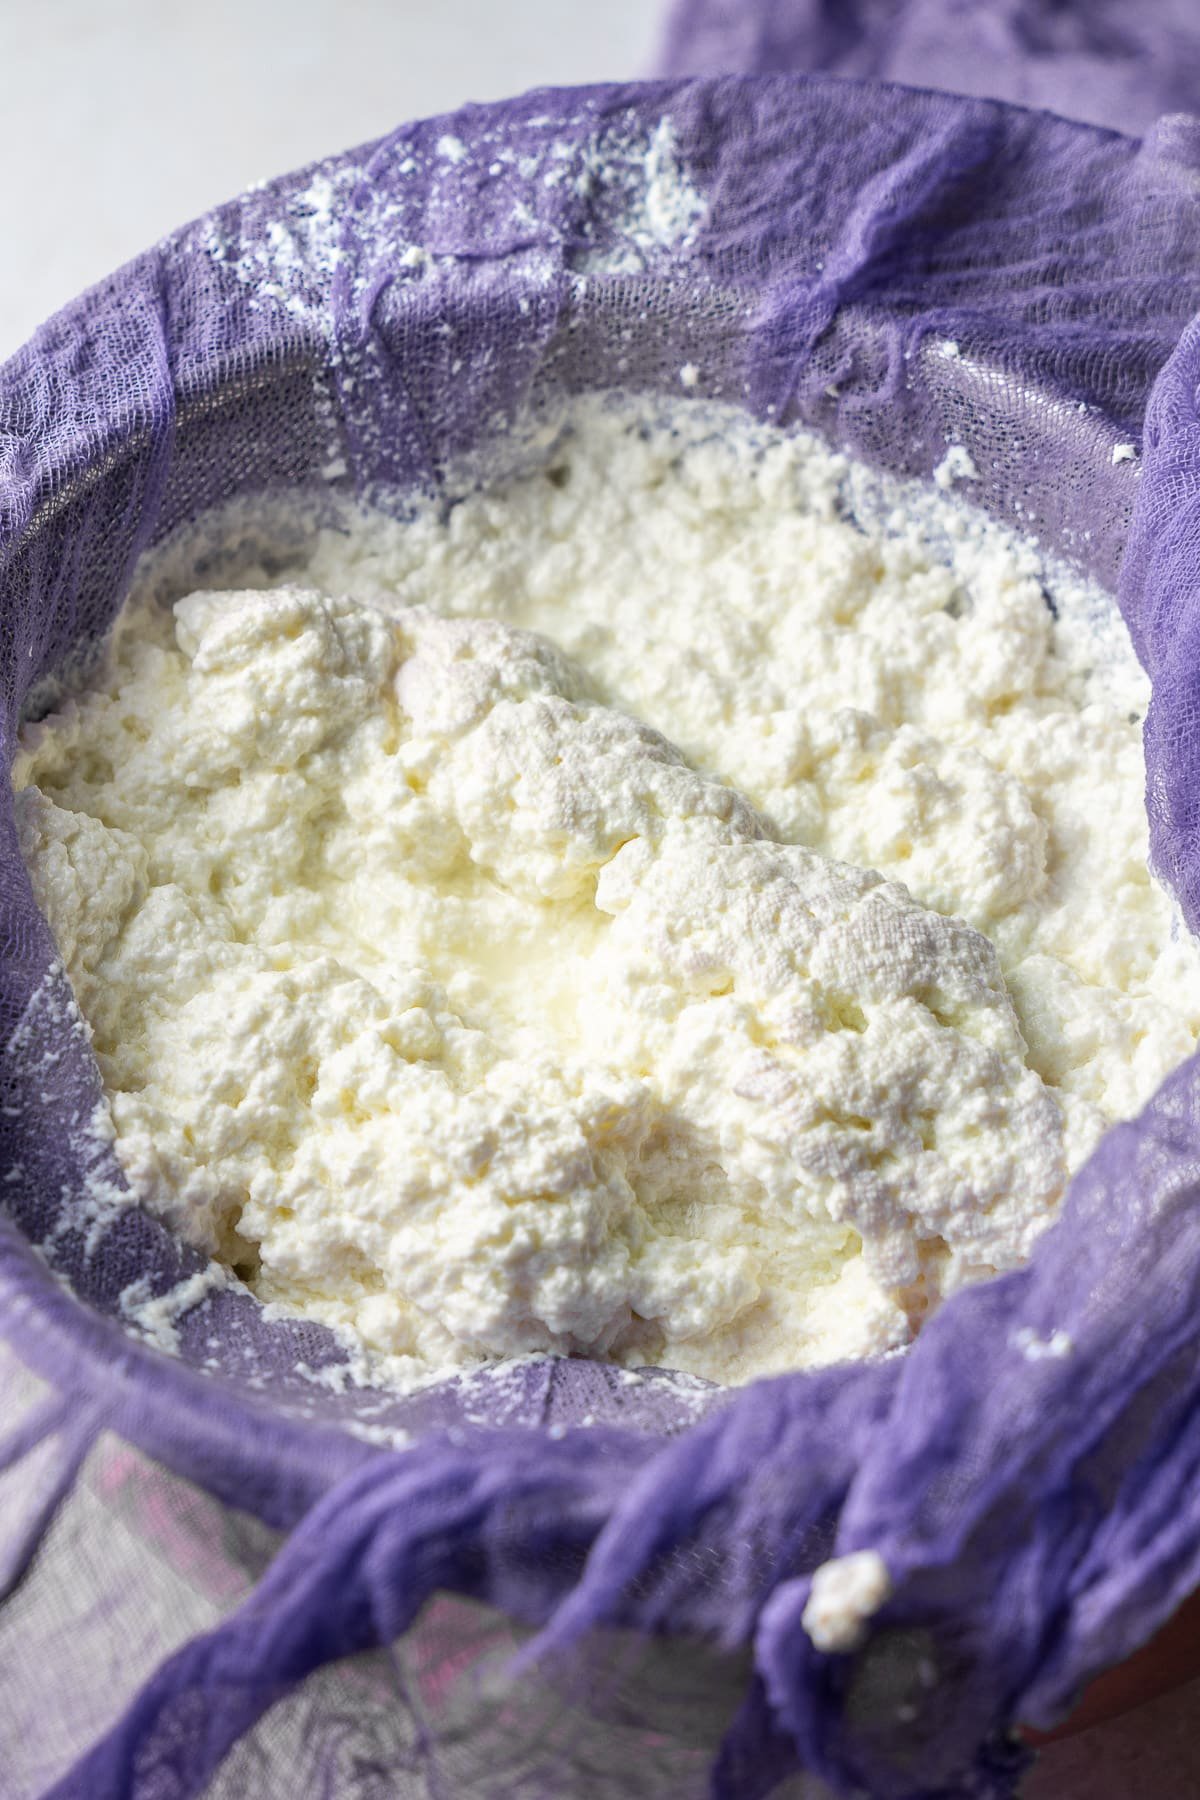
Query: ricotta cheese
x=642 y=914
x=883 y=676
x=846 y=1594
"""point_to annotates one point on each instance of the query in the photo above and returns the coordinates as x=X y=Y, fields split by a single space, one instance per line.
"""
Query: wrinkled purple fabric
x=1040 y=1517
x=1101 y=61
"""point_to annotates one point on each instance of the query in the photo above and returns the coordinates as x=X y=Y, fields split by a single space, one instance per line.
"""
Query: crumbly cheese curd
x=641 y=914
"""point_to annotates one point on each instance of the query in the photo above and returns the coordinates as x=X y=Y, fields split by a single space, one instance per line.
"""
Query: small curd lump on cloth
x=643 y=916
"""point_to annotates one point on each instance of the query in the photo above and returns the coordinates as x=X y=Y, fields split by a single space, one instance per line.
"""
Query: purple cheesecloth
x=1105 y=62
x=1040 y=1517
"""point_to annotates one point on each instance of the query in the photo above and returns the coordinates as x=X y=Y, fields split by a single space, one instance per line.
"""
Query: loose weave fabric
x=899 y=270
x=1102 y=61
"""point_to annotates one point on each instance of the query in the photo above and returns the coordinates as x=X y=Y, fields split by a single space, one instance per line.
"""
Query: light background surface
x=120 y=121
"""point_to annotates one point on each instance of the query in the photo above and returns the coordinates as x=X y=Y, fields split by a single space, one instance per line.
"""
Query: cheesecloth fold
x=1102 y=61
x=216 y=1567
